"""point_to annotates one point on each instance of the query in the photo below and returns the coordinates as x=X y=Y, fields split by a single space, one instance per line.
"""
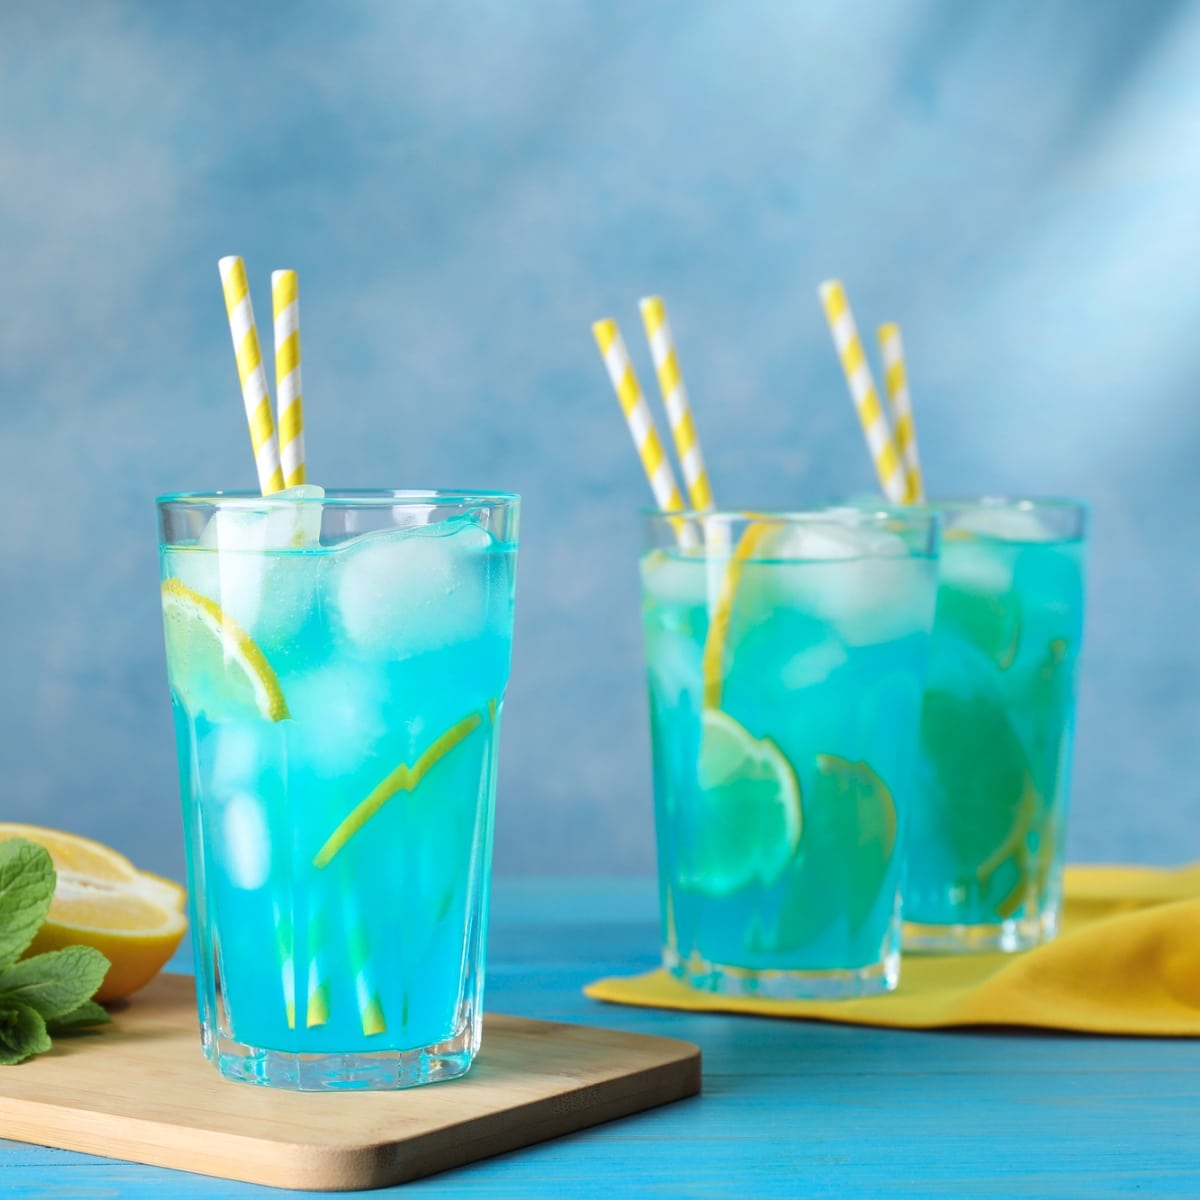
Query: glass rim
x=915 y=515
x=1018 y=501
x=346 y=498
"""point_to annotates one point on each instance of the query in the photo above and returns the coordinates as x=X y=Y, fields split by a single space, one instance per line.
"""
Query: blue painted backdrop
x=464 y=188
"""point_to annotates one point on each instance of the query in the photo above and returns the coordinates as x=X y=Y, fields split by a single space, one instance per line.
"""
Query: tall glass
x=987 y=837
x=337 y=665
x=786 y=658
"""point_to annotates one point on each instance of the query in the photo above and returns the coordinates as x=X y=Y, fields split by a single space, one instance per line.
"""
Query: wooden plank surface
x=788 y=1110
x=141 y=1090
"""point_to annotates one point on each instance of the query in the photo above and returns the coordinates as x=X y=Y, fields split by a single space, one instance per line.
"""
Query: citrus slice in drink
x=102 y=900
x=986 y=798
x=850 y=834
x=748 y=819
x=863 y=804
x=713 y=662
x=991 y=622
x=214 y=665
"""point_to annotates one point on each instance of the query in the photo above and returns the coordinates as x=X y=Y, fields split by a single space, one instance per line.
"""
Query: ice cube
x=812 y=665
x=676 y=579
x=231 y=563
x=674 y=664
x=974 y=566
x=341 y=707
x=1004 y=523
x=246 y=842
x=239 y=757
x=405 y=591
x=861 y=580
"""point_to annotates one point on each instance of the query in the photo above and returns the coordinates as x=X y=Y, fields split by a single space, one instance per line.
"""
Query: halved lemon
x=214 y=665
x=135 y=919
x=749 y=819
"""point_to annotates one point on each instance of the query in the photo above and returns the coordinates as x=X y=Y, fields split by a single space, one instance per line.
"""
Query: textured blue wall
x=464 y=188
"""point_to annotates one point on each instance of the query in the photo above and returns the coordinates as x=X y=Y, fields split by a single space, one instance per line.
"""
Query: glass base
x=776 y=984
x=384 y=1070
x=1003 y=937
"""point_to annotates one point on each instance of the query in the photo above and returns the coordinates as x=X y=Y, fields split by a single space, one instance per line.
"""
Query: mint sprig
x=48 y=992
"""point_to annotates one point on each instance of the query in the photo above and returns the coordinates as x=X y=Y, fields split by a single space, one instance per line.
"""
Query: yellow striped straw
x=862 y=389
x=317 y=1008
x=641 y=424
x=251 y=374
x=675 y=401
x=285 y=300
x=895 y=382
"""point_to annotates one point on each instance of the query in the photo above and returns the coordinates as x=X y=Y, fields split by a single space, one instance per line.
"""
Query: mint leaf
x=22 y=1033
x=88 y=1013
x=26 y=888
x=54 y=983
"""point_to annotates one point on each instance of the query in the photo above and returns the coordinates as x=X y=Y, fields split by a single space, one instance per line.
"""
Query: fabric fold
x=1127 y=963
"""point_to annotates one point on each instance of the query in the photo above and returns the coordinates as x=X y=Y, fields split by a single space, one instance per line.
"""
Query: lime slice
x=991 y=622
x=850 y=834
x=985 y=795
x=748 y=819
x=214 y=665
x=862 y=800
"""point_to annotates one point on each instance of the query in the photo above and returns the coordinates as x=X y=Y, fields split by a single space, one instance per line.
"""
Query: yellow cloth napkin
x=1127 y=962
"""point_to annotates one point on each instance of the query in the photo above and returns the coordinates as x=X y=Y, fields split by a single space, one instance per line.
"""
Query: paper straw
x=317 y=1011
x=862 y=390
x=366 y=991
x=641 y=424
x=285 y=302
x=675 y=401
x=251 y=374
x=285 y=946
x=895 y=382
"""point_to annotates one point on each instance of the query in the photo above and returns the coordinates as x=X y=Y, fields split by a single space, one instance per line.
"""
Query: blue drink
x=987 y=837
x=337 y=670
x=785 y=683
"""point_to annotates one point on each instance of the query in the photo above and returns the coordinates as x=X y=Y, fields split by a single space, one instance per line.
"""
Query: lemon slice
x=748 y=820
x=713 y=662
x=102 y=900
x=214 y=665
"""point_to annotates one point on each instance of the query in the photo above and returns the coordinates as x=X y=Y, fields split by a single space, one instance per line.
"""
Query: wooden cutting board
x=142 y=1090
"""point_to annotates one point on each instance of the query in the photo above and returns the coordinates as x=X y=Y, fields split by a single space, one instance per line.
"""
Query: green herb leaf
x=26 y=888
x=22 y=1033
x=88 y=1013
x=54 y=983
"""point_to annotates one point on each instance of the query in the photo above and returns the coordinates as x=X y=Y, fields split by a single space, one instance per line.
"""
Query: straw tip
x=826 y=286
x=283 y=273
x=228 y=262
x=651 y=302
x=604 y=330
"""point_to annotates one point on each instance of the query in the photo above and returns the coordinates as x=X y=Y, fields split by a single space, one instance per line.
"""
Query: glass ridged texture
x=786 y=658
x=337 y=669
x=987 y=837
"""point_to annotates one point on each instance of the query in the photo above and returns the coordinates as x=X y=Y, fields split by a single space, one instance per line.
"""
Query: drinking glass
x=337 y=665
x=987 y=837
x=786 y=657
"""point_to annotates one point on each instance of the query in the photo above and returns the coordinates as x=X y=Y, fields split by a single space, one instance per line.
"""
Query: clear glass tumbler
x=786 y=657
x=986 y=843
x=337 y=665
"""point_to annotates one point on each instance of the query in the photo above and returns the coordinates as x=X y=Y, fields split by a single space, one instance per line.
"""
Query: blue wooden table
x=789 y=1109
